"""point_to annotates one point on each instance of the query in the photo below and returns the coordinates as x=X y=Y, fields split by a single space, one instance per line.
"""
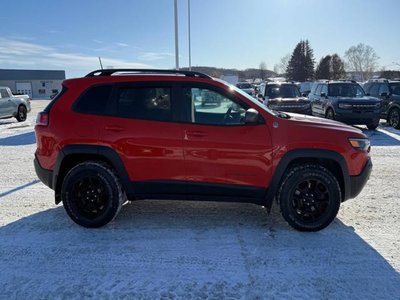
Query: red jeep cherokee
x=121 y=134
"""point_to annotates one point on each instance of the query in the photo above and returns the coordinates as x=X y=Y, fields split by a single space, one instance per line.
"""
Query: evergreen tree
x=301 y=64
x=323 y=70
x=337 y=67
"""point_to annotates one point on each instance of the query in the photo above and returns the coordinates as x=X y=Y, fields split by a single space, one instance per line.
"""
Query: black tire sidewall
x=290 y=183
x=112 y=186
x=19 y=119
x=390 y=118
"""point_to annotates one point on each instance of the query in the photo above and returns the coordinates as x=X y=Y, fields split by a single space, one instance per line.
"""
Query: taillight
x=42 y=119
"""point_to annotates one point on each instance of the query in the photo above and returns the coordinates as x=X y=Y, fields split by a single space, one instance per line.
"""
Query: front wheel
x=309 y=197
x=21 y=113
x=92 y=194
x=394 y=118
x=373 y=125
x=330 y=114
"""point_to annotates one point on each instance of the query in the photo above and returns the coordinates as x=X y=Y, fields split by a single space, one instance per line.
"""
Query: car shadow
x=22 y=139
x=156 y=249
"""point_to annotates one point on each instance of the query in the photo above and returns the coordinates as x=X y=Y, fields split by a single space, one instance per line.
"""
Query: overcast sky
x=71 y=34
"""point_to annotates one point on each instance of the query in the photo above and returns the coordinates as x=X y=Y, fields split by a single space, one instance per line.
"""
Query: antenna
x=101 y=65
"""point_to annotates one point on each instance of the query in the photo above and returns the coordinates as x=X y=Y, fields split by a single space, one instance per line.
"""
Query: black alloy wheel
x=92 y=194
x=309 y=197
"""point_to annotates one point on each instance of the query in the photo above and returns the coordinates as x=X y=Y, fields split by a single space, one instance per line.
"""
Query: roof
x=13 y=74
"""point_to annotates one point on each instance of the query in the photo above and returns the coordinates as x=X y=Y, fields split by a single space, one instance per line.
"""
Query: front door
x=222 y=153
x=6 y=105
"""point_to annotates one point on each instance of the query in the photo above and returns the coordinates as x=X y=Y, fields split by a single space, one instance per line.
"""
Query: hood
x=295 y=99
x=310 y=121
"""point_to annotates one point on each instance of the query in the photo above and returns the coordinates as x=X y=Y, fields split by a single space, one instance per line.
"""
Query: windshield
x=247 y=96
x=351 y=90
x=245 y=85
x=282 y=91
x=395 y=86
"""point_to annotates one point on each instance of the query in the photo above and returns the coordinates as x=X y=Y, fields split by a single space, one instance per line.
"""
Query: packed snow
x=194 y=250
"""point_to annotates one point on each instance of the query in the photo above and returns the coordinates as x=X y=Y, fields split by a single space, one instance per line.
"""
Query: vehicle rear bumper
x=46 y=176
x=358 y=182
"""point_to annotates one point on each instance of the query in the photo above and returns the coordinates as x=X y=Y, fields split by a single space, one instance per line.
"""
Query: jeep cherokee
x=122 y=135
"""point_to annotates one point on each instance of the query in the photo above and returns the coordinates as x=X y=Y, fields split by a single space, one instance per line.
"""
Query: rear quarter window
x=94 y=100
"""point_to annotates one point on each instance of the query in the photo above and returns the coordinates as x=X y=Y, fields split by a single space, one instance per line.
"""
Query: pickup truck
x=12 y=106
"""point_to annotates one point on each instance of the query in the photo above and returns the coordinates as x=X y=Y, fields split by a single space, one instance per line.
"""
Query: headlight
x=360 y=144
x=345 y=106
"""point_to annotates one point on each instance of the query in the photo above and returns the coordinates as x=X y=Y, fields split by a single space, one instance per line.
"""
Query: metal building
x=38 y=84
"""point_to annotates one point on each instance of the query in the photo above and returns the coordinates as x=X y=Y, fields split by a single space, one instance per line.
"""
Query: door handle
x=196 y=133
x=114 y=128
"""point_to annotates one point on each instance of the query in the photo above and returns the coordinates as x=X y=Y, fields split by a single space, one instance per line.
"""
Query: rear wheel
x=309 y=197
x=92 y=194
x=21 y=113
x=394 y=118
x=330 y=114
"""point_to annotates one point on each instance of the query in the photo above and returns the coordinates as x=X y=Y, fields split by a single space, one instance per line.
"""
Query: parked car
x=13 y=106
x=284 y=96
x=345 y=101
x=108 y=139
x=389 y=92
x=245 y=86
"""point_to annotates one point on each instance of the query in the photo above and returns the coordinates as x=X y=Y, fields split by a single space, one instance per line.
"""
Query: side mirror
x=384 y=94
x=305 y=94
x=323 y=94
x=367 y=94
x=251 y=116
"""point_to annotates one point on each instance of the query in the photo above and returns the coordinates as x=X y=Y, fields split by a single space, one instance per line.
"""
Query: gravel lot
x=191 y=250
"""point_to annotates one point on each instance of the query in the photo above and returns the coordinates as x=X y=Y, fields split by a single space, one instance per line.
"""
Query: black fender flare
x=292 y=155
x=98 y=151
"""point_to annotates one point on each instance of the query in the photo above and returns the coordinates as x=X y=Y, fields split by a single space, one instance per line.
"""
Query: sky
x=70 y=35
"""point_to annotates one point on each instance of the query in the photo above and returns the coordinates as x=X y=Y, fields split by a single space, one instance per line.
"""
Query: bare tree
x=362 y=60
x=281 y=67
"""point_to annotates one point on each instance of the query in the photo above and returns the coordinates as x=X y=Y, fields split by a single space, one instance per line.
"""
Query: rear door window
x=146 y=103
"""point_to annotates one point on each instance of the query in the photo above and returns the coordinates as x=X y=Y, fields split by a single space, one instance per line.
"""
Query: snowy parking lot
x=192 y=250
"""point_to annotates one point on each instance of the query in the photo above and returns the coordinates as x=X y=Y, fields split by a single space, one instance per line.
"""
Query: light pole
x=190 y=56
x=176 y=35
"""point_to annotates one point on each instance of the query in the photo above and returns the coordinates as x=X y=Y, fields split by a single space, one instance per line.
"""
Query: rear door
x=142 y=128
x=316 y=102
x=223 y=155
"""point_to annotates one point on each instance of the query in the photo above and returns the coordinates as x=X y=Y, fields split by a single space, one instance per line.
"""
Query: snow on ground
x=192 y=250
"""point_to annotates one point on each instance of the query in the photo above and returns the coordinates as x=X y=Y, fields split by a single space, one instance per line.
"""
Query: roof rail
x=109 y=72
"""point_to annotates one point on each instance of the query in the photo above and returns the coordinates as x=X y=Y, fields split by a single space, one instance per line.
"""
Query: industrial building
x=38 y=84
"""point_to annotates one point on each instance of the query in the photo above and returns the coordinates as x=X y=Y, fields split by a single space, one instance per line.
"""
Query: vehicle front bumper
x=356 y=117
x=358 y=182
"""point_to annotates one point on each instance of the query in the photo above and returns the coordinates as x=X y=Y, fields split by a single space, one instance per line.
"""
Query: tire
x=309 y=197
x=21 y=113
x=91 y=194
x=394 y=118
x=373 y=125
x=330 y=114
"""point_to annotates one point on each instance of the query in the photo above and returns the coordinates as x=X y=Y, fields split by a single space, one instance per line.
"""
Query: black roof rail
x=109 y=72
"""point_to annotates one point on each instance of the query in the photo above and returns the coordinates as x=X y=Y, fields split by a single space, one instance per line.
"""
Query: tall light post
x=190 y=56
x=176 y=35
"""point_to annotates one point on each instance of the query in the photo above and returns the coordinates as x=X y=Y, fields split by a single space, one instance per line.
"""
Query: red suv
x=122 y=135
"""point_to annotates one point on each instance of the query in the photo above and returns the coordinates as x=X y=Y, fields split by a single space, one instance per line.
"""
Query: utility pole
x=190 y=50
x=176 y=35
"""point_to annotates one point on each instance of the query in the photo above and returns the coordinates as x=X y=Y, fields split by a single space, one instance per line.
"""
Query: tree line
x=361 y=60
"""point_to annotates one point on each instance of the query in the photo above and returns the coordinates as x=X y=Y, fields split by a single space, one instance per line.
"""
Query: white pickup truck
x=13 y=106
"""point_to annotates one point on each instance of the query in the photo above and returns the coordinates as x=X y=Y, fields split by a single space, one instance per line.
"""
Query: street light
x=190 y=57
x=176 y=35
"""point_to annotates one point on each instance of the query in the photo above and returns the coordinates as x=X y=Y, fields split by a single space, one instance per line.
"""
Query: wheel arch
x=331 y=160
x=72 y=155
